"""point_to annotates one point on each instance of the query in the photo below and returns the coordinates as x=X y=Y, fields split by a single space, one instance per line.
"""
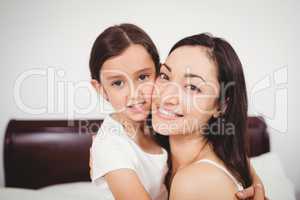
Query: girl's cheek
x=148 y=89
x=119 y=99
x=119 y=103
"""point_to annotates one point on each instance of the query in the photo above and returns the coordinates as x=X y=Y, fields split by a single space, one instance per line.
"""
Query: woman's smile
x=168 y=114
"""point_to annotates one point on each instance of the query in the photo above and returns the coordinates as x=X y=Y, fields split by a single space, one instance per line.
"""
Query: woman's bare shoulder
x=202 y=181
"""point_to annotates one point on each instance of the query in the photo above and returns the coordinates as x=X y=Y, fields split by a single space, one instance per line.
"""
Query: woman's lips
x=167 y=114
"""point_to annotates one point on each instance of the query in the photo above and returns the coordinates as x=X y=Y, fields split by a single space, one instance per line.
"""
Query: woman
x=118 y=185
x=201 y=104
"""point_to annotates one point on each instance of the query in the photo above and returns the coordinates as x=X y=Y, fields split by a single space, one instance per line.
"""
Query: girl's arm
x=125 y=184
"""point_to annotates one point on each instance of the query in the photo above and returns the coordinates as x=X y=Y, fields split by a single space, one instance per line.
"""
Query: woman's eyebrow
x=166 y=66
x=189 y=75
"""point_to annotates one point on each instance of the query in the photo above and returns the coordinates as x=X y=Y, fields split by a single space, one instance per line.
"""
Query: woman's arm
x=202 y=182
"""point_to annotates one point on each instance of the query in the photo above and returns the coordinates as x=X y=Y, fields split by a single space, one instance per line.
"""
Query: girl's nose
x=136 y=93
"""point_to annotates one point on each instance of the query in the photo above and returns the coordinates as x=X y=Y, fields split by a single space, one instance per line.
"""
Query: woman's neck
x=186 y=149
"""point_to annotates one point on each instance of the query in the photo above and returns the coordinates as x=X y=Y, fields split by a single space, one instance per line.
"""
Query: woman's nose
x=170 y=94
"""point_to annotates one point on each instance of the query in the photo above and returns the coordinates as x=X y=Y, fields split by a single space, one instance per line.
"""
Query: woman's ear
x=222 y=108
x=217 y=113
x=99 y=88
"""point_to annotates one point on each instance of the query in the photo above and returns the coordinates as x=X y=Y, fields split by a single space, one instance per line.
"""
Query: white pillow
x=269 y=168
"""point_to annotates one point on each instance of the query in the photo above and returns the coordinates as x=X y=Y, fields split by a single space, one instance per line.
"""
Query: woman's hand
x=255 y=192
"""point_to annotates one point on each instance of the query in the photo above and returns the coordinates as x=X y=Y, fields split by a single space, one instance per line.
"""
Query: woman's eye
x=163 y=76
x=118 y=83
x=143 y=77
x=193 y=88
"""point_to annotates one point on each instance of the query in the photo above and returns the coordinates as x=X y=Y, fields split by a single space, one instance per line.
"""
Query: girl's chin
x=138 y=117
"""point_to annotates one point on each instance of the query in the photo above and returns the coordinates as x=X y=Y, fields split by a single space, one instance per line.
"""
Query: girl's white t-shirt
x=114 y=149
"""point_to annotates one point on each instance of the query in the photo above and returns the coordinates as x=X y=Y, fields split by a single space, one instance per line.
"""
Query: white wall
x=36 y=35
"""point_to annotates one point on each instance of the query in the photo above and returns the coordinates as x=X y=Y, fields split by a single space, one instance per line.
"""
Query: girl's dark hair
x=116 y=39
x=113 y=41
x=229 y=147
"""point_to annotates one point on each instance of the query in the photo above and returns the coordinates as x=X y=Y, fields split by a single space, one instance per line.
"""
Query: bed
x=48 y=159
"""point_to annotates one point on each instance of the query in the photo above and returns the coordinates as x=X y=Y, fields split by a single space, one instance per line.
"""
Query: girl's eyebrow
x=114 y=77
x=143 y=70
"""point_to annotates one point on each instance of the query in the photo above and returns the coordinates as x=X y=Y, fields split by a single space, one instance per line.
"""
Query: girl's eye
x=118 y=83
x=143 y=77
x=193 y=88
x=163 y=76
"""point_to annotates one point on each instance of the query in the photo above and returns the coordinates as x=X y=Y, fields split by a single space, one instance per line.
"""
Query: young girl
x=126 y=162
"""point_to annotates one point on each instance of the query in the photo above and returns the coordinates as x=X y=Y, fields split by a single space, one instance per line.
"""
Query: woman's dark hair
x=116 y=39
x=229 y=147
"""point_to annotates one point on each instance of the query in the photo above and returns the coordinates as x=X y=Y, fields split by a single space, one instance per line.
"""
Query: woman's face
x=186 y=92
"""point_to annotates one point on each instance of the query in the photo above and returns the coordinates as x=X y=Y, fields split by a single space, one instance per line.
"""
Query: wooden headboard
x=38 y=153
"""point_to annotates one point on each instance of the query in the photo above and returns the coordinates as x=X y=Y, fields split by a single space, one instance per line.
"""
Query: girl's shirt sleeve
x=109 y=153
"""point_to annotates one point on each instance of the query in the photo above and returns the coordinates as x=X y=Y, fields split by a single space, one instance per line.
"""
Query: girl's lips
x=137 y=108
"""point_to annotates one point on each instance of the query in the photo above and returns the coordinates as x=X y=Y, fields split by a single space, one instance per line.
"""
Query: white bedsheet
x=25 y=194
x=267 y=166
x=270 y=170
x=68 y=191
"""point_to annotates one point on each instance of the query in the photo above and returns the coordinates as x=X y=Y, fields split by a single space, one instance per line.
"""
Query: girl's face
x=186 y=92
x=127 y=82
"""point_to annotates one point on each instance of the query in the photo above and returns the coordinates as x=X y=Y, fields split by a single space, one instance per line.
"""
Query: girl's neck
x=186 y=149
x=133 y=128
x=139 y=133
